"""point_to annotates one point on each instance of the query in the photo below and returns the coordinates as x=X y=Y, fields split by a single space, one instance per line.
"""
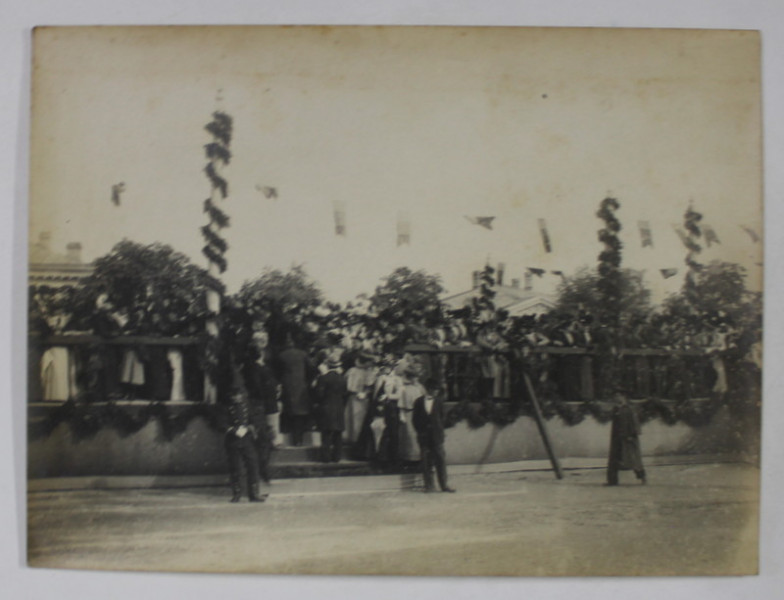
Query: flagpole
x=215 y=247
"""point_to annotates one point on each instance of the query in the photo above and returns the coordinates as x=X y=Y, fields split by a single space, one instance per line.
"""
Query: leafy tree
x=142 y=289
x=578 y=294
x=407 y=295
x=715 y=294
x=282 y=300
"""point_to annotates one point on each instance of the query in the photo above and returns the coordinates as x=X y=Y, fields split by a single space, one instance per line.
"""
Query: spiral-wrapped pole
x=215 y=246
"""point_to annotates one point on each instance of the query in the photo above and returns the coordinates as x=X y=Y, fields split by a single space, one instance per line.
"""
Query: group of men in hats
x=324 y=393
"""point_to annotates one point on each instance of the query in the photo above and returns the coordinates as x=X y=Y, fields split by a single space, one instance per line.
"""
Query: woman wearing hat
x=360 y=380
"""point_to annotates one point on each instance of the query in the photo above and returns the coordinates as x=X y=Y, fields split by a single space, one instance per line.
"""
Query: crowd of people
x=387 y=410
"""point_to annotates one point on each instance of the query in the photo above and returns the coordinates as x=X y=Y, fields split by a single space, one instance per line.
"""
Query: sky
x=435 y=123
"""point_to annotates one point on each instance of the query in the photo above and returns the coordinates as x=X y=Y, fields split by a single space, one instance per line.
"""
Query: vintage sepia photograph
x=353 y=300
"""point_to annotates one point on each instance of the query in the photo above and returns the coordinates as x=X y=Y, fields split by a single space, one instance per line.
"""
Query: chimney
x=516 y=283
x=475 y=279
x=499 y=278
x=529 y=281
x=74 y=252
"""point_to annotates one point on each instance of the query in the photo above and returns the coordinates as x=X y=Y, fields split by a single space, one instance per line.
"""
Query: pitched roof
x=505 y=297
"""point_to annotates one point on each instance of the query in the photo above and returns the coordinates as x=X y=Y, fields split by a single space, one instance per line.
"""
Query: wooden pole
x=542 y=428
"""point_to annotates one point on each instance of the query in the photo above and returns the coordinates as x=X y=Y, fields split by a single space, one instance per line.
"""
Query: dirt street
x=688 y=520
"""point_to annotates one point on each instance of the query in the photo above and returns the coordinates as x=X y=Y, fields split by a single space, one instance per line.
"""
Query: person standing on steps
x=428 y=418
x=625 y=454
x=331 y=395
x=296 y=371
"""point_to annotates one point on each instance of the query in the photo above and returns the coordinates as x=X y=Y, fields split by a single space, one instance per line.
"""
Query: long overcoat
x=331 y=395
x=296 y=370
x=625 y=451
x=262 y=388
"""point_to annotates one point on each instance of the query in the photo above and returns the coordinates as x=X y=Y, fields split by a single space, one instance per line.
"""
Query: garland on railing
x=86 y=420
x=694 y=413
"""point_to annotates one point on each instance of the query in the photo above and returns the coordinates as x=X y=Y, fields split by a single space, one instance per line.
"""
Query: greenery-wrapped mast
x=215 y=247
x=609 y=288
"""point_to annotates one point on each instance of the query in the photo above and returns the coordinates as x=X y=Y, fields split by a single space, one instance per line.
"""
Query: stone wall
x=199 y=450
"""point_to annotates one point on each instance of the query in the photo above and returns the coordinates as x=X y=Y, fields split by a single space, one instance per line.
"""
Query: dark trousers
x=389 y=453
x=242 y=453
x=297 y=424
x=612 y=475
x=433 y=455
x=263 y=448
x=331 y=445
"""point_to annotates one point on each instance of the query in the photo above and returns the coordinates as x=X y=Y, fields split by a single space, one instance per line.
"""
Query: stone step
x=298 y=470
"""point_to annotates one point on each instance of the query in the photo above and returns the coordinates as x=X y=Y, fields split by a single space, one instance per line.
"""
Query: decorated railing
x=91 y=382
x=673 y=385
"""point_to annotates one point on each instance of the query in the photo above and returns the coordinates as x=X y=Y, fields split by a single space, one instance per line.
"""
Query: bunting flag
x=403 y=229
x=486 y=222
x=752 y=234
x=537 y=272
x=269 y=192
x=340 y=219
x=667 y=273
x=545 y=236
x=645 y=233
x=117 y=190
x=681 y=234
x=559 y=273
x=710 y=235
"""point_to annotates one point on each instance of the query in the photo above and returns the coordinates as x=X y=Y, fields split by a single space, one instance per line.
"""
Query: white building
x=55 y=269
x=516 y=300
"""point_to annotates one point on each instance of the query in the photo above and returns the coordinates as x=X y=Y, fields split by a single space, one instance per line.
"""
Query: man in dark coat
x=263 y=398
x=296 y=371
x=331 y=396
x=428 y=417
x=240 y=442
x=625 y=451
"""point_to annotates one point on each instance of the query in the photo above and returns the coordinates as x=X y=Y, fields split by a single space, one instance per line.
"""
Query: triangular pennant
x=269 y=192
x=752 y=234
x=486 y=222
x=537 y=272
x=545 y=236
x=559 y=273
x=646 y=236
x=710 y=235
x=667 y=273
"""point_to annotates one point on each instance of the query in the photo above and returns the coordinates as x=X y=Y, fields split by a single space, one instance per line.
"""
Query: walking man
x=428 y=417
x=625 y=454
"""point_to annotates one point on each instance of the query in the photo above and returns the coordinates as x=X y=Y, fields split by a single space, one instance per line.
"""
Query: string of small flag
x=706 y=231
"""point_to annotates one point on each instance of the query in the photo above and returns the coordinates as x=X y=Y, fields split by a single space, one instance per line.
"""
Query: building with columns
x=55 y=269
